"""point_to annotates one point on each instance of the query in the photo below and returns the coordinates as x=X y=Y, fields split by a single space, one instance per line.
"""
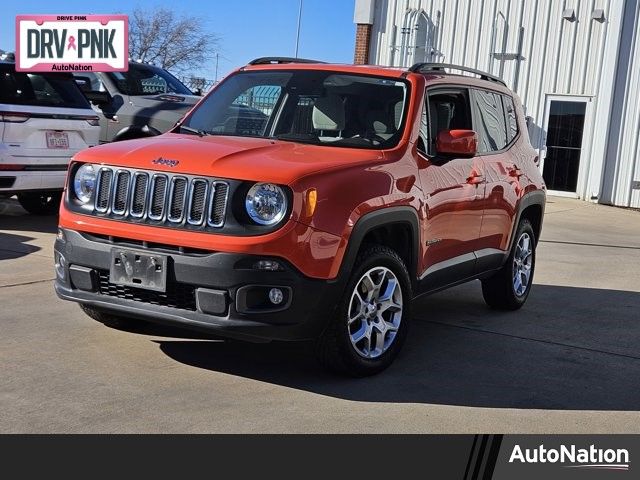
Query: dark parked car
x=143 y=102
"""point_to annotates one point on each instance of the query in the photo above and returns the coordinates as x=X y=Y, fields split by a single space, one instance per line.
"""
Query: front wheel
x=509 y=287
x=40 y=203
x=371 y=322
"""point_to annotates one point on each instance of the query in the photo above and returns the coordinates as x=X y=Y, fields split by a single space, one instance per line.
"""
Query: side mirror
x=462 y=143
x=98 y=98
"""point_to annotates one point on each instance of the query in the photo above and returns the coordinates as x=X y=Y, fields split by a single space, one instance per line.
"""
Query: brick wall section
x=363 y=39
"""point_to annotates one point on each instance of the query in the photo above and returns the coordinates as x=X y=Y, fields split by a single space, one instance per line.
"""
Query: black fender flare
x=372 y=220
x=536 y=197
x=135 y=131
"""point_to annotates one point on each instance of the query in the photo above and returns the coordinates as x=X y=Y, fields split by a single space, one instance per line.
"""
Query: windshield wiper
x=298 y=137
x=200 y=133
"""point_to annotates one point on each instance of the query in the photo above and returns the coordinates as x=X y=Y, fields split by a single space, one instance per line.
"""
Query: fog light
x=60 y=264
x=276 y=296
x=270 y=265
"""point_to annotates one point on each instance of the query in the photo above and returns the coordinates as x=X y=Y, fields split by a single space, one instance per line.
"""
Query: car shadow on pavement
x=14 y=218
x=568 y=348
x=15 y=246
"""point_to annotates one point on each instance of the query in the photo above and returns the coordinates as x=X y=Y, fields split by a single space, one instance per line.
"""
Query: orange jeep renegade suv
x=307 y=201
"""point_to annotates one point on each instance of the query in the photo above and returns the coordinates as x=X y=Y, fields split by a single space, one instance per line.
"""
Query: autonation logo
x=573 y=457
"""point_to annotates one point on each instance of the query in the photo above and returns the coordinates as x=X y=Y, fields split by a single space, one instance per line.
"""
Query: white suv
x=44 y=120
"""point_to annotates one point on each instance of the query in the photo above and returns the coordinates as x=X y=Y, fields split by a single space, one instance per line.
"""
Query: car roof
x=433 y=76
x=395 y=72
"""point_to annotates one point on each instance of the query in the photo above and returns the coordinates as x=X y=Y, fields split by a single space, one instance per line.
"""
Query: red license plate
x=57 y=140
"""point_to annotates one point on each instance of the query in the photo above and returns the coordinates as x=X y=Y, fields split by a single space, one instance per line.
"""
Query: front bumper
x=213 y=292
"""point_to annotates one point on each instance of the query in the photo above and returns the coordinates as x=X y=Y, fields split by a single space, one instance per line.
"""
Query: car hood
x=241 y=158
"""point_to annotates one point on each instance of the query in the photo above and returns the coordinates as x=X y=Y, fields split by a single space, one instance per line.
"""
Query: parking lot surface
x=568 y=362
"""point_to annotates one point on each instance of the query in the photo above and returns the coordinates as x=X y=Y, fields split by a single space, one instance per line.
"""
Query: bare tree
x=177 y=43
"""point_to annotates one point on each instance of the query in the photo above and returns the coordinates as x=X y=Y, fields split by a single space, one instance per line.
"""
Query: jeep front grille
x=121 y=194
x=104 y=190
x=180 y=295
x=154 y=197
x=139 y=194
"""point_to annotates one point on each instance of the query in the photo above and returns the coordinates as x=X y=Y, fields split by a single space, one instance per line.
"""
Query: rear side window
x=40 y=89
x=491 y=122
x=512 y=124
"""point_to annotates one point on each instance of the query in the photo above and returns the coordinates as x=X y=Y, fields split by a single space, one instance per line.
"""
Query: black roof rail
x=278 y=60
x=436 y=67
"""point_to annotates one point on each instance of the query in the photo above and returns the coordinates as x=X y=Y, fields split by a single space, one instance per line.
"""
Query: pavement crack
x=582 y=244
x=548 y=342
x=27 y=283
x=560 y=211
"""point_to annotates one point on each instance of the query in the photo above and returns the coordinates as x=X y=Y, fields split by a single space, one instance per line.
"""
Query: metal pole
x=298 y=30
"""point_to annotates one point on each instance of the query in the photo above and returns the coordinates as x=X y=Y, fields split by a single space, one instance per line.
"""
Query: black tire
x=104 y=317
x=40 y=203
x=334 y=348
x=499 y=291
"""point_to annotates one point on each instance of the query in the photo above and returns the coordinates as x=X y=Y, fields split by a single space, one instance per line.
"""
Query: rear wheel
x=371 y=322
x=509 y=288
x=40 y=203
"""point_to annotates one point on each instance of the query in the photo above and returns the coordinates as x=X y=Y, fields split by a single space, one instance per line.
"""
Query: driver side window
x=423 y=138
x=445 y=109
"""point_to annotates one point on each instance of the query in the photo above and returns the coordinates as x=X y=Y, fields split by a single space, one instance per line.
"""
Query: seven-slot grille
x=161 y=197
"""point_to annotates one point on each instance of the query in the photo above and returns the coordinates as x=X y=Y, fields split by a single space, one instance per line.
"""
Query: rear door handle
x=475 y=179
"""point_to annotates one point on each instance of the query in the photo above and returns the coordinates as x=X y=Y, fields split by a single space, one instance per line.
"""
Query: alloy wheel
x=522 y=264
x=375 y=312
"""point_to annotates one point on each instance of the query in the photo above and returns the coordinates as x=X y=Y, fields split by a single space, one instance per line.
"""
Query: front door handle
x=475 y=179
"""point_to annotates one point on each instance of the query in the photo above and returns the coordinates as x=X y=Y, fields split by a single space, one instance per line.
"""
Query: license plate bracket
x=57 y=140
x=138 y=269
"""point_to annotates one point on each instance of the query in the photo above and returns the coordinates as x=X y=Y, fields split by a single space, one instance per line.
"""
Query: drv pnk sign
x=72 y=43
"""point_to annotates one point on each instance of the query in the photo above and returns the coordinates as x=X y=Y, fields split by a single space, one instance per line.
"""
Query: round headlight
x=84 y=182
x=266 y=203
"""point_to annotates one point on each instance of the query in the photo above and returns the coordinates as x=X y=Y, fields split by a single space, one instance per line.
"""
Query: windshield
x=147 y=80
x=319 y=107
x=40 y=89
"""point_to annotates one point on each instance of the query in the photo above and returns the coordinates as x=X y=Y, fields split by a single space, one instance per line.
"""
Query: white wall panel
x=627 y=169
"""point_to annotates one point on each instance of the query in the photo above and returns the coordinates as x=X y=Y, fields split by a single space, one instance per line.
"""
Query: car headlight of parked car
x=266 y=203
x=84 y=183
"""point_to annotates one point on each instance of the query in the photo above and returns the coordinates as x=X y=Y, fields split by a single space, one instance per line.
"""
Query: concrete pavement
x=568 y=362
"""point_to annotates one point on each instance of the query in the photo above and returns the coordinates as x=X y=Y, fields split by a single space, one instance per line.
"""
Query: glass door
x=565 y=125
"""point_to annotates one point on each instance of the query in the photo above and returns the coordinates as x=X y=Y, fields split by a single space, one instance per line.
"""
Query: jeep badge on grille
x=165 y=161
